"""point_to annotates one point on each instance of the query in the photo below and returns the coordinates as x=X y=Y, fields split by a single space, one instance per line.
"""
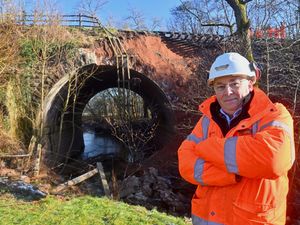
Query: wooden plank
x=31 y=148
x=38 y=160
x=14 y=156
x=75 y=181
x=103 y=179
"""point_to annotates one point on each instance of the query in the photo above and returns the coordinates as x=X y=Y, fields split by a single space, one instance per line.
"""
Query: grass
x=79 y=211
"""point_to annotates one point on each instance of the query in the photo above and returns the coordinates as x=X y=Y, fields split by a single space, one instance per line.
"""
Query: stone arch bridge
x=157 y=66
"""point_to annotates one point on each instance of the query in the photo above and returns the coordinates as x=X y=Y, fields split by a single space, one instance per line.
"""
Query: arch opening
x=118 y=122
x=66 y=113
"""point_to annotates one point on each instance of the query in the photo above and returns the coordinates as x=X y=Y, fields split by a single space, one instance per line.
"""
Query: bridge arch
x=66 y=101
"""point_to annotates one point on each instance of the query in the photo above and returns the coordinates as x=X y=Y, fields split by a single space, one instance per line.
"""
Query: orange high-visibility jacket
x=242 y=177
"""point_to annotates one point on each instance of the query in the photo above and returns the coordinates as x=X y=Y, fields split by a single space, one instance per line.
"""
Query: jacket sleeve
x=269 y=153
x=196 y=170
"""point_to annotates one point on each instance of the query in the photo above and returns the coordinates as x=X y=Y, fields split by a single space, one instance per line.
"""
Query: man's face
x=230 y=92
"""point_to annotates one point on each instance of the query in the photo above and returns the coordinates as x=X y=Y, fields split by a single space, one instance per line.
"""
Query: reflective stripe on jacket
x=242 y=177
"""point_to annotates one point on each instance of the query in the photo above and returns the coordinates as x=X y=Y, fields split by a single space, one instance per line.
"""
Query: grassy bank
x=79 y=211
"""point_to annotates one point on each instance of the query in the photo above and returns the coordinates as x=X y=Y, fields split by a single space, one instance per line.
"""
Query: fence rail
x=79 y=20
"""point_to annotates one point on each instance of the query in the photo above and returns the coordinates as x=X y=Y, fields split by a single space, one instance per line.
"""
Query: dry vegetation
x=30 y=59
x=9 y=145
x=8 y=66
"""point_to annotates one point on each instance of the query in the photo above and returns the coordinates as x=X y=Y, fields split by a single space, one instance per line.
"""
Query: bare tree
x=202 y=17
x=242 y=24
x=91 y=7
x=155 y=24
x=272 y=12
x=136 y=19
x=237 y=17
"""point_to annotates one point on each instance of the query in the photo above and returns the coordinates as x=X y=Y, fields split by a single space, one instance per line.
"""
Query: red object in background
x=282 y=31
x=271 y=32
x=258 y=33
x=277 y=33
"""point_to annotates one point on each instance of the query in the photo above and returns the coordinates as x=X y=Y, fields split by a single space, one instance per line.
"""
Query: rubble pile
x=154 y=191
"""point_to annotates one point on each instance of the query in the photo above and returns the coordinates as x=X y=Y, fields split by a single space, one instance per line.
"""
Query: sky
x=119 y=9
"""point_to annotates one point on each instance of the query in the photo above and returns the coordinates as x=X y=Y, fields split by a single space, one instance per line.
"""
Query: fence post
x=80 y=20
x=31 y=149
x=23 y=19
x=38 y=160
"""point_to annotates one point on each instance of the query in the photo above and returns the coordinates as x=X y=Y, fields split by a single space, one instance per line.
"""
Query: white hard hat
x=231 y=63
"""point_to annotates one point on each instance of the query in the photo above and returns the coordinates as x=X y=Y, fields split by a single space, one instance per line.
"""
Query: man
x=240 y=151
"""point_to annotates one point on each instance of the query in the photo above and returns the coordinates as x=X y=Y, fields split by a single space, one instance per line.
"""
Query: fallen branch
x=14 y=156
x=75 y=181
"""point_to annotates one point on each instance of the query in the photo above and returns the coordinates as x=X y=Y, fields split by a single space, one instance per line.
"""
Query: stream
x=101 y=144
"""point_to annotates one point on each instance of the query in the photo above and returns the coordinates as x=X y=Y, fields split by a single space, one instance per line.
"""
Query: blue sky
x=119 y=9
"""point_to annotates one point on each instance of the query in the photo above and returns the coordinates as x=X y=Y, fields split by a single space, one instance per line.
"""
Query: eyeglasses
x=234 y=85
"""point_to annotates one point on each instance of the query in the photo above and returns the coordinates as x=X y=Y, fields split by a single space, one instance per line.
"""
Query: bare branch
x=137 y=19
x=245 y=1
x=91 y=7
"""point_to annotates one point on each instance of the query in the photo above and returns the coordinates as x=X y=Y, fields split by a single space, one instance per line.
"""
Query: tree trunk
x=243 y=24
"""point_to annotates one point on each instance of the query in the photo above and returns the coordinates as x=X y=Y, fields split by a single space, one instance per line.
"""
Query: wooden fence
x=79 y=20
